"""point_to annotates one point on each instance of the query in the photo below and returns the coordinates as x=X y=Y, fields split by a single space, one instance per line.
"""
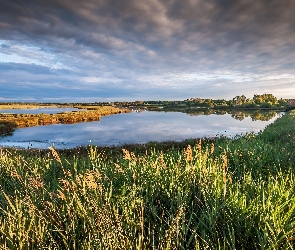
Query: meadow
x=212 y=193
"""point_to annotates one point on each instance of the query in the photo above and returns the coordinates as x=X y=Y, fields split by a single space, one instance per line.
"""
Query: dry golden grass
x=27 y=106
x=29 y=120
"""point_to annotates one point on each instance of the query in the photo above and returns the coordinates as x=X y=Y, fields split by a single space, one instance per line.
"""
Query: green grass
x=212 y=194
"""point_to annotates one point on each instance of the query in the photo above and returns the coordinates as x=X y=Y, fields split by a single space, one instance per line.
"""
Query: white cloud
x=99 y=80
x=15 y=52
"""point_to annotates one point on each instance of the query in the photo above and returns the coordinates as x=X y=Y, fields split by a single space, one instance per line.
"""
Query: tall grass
x=223 y=194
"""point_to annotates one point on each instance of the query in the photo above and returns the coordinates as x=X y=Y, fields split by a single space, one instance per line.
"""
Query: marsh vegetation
x=9 y=121
x=209 y=194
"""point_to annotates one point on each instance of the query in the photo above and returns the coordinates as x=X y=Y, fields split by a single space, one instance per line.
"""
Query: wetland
x=231 y=189
x=137 y=128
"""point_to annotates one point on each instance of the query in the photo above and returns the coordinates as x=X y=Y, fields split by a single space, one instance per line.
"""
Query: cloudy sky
x=106 y=50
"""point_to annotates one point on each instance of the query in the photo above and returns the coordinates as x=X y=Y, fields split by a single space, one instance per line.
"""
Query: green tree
x=265 y=98
x=239 y=100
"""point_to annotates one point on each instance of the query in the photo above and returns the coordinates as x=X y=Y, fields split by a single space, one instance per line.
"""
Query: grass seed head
x=61 y=195
x=126 y=154
x=55 y=154
x=161 y=160
x=36 y=183
x=118 y=168
x=90 y=180
x=66 y=185
x=212 y=148
x=188 y=153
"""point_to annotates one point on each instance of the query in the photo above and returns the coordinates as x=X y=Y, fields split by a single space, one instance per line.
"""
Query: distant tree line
x=258 y=101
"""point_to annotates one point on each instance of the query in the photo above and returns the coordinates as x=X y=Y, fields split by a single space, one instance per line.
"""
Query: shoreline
x=40 y=144
x=10 y=122
x=138 y=147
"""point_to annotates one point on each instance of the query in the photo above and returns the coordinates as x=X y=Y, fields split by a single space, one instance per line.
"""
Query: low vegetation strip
x=28 y=120
x=6 y=127
x=214 y=194
x=28 y=106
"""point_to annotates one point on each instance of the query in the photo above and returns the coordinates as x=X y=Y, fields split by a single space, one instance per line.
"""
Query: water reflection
x=255 y=115
x=135 y=127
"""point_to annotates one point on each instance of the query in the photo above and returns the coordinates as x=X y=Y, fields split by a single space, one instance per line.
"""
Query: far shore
x=9 y=122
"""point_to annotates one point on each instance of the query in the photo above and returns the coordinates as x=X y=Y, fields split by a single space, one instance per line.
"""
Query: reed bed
x=32 y=105
x=29 y=120
x=220 y=194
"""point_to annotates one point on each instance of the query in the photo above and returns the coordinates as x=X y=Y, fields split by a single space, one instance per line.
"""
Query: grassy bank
x=209 y=194
x=28 y=106
x=29 y=120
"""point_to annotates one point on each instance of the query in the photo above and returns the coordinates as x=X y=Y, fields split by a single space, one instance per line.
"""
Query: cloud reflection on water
x=132 y=128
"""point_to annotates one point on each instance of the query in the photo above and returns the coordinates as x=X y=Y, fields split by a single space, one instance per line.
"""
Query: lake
x=135 y=127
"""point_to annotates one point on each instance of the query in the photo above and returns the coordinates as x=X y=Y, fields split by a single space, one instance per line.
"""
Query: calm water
x=132 y=128
x=38 y=111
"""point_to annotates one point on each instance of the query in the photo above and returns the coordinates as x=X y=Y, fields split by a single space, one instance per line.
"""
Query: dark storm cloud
x=141 y=43
x=104 y=23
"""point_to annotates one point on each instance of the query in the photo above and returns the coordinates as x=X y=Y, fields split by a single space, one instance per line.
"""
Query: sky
x=127 y=50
